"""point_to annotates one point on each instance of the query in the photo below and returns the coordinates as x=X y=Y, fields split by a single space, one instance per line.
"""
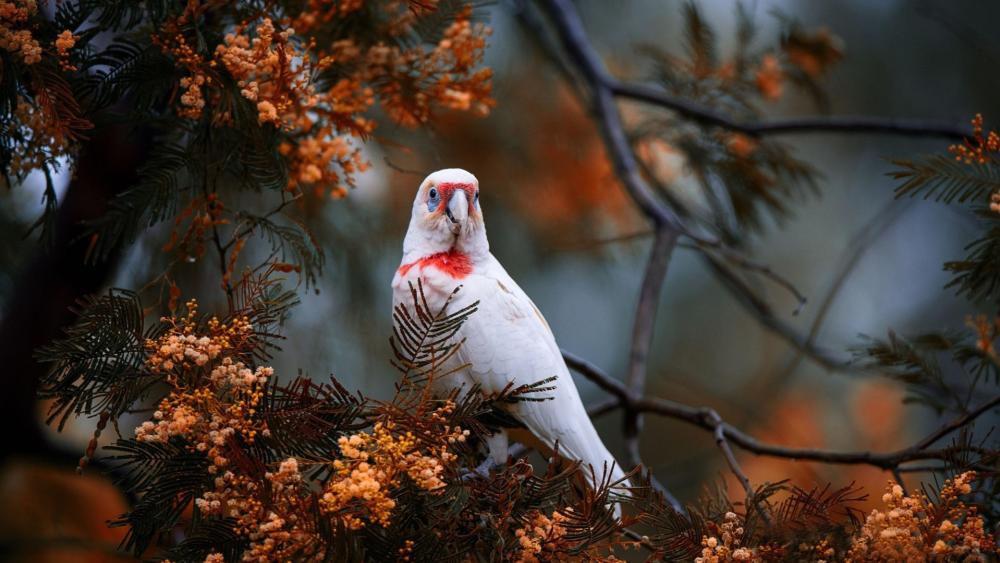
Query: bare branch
x=668 y=225
x=727 y=451
x=645 y=313
x=574 y=41
x=734 y=464
x=703 y=418
x=746 y=263
x=768 y=319
x=642 y=333
x=604 y=407
x=854 y=252
x=817 y=124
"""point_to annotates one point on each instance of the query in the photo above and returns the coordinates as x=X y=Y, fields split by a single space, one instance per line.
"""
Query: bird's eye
x=476 y=198
x=432 y=199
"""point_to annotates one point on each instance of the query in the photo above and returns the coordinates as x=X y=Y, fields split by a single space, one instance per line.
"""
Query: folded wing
x=508 y=340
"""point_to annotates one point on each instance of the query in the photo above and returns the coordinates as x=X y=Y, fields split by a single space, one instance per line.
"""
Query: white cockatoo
x=507 y=340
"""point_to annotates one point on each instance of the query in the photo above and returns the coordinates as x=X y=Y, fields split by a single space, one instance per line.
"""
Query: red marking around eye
x=453 y=263
x=448 y=188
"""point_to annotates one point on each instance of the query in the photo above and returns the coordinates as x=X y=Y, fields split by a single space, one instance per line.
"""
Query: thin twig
x=256 y=221
x=898 y=476
x=814 y=124
x=702 y=418
x=765 y=315
x=855 y=251
x=727 y=451
x=637 y=537
x=746 y=263
x=734 y=465
x=402 y=170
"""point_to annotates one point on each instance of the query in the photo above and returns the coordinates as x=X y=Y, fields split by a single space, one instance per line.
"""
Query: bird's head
x=446 y=210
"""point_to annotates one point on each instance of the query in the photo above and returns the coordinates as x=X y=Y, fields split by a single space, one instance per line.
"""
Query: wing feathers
x=508 y=340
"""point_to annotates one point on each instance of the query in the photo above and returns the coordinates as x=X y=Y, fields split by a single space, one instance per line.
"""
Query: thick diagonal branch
x=574 y=40
x=642 y=333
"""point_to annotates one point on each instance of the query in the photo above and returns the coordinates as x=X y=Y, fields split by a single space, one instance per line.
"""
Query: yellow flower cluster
x=978 y=149
x=913 y=528
x=406 y=551
x=63 y=43
x=213 y=407
x=446 y=73
x=44 y=137
x=727 y=546
x=181 y=348
x=542 y=538
x=15 y=33
x=275 y=62
x=373 y=464
x=45 y=130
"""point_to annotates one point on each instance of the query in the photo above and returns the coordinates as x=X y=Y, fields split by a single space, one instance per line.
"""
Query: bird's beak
x=458 y=210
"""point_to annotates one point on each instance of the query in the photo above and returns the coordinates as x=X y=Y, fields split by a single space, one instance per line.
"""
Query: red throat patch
x=453 y=263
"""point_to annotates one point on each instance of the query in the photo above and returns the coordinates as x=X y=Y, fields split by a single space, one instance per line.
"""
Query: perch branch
x=603 y=90
x=703 y=418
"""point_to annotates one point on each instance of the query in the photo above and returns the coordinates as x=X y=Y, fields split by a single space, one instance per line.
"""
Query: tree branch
x=814 y=124
x=856 y=249
x=642 y=333
x=668 y=225
x=703 y=418
x=574 y=41
x=768 y=319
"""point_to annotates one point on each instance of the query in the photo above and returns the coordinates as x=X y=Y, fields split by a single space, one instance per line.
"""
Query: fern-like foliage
x=166 y=478
x=778 y=518
x=944 y=371
x=977 y=277
x=945 y=179
x=745 y=183
x=290 y=243
x=98 y=366
x=423 y=340
x=914 y=362
x=263 y=300
x=127 y=70
x=163 y=180
x=305 y=419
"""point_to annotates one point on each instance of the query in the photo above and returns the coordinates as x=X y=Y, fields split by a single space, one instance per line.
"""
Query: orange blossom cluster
x=276 y=62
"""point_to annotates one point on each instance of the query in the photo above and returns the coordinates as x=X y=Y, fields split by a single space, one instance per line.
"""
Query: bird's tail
x=598 y=466
x=601 y=469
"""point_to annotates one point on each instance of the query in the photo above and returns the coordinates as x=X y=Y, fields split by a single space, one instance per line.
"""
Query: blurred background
x=555 y=216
